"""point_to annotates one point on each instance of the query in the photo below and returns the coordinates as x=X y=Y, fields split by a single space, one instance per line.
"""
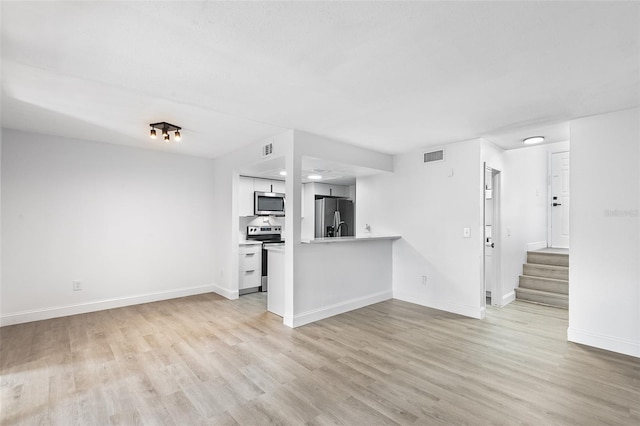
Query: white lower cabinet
x=275 y=295
x=250 y=267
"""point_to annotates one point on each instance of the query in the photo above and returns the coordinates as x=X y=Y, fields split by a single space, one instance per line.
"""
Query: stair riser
x=548 y=259
x=555 y=272
x=543 y=299
x=561 y=287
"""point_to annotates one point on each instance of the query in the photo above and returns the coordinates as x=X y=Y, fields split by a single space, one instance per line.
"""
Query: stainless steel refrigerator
x=334 y=218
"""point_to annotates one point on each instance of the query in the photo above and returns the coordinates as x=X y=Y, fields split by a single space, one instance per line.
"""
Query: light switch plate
x=467 y=232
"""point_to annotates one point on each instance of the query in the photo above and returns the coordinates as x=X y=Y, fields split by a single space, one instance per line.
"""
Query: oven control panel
x=264 y=230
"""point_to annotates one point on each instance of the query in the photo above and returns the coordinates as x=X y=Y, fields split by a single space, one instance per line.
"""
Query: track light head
x=177 y=136
x=166 y=137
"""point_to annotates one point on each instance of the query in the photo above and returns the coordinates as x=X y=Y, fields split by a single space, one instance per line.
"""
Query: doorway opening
x=492 y=283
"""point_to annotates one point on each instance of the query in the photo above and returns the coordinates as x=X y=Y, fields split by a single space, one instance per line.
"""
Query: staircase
x=545 y=278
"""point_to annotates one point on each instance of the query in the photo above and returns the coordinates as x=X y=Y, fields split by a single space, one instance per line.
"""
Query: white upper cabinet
x=268 y=185
x=247 y=187
x=331 y=190
x=278 y=186
x=263 y=185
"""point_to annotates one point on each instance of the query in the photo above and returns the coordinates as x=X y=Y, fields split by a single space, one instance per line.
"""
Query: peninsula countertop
x=357 y=239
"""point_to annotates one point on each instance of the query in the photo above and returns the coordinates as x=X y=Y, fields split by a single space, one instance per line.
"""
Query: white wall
x=132 y=225
x=604 y=276
x=339 y=277
x=429 y=205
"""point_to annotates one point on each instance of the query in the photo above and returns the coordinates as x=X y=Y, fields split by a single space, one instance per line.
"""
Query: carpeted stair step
x=547 y=258
x=542 y=297
x=544 y=284
x=546 y=271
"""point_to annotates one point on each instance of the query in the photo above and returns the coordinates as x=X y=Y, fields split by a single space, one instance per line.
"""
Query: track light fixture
x=166 y=128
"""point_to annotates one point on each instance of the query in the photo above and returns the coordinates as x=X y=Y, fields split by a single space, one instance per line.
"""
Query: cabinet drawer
x=253 y=261
x=251 y=249
x=250 y=278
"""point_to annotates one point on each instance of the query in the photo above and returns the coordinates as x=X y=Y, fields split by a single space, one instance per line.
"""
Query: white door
x=560 y=200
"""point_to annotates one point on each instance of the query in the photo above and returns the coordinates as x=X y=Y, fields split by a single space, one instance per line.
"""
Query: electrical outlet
x=77 y=285
x=424 y=280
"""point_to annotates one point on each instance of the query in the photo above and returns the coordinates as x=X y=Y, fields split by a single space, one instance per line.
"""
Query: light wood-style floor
x=207 y=360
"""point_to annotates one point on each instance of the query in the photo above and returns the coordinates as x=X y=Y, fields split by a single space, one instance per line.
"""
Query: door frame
x=496 y=184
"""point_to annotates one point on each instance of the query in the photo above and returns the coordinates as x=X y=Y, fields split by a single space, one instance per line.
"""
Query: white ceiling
x=330 y=171
x=391 y=76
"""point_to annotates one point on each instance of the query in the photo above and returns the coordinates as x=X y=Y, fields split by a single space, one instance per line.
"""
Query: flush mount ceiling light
x=314 y=177
x=166 y=128
x=283 y=173
x=533 y=139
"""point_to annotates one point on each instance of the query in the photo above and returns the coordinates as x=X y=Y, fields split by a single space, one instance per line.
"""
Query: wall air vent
x=267 y=150
x=434 y=156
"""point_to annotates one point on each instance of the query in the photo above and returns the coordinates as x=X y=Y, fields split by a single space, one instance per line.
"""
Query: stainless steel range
x=267 y=234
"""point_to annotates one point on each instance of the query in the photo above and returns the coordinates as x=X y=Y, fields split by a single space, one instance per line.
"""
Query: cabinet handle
x=250 y=271
x=250 y=254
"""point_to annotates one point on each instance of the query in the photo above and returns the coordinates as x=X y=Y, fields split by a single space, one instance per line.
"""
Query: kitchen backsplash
x=257 y=221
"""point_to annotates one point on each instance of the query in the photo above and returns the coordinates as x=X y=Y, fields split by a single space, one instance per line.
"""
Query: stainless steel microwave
x=268 y=204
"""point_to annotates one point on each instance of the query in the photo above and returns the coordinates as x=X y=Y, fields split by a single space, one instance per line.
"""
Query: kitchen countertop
x=330 y=240
x=277 y=248
x=250 y=243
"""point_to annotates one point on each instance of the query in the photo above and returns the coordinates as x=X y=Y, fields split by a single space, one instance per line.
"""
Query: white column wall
x=604 y=272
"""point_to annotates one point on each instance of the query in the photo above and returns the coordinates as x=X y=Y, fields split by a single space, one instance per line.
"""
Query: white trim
x=338 y=308
x=536 y=246
x=83 y=308
x=614 y=344
x=477 y=312
x=229 y=294
x=288 y=320
x=508 y=298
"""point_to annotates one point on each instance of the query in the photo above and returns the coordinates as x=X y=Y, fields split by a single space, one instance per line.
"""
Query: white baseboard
x=536 y=246
x=477 y=312
x=508 y=298
x=613 y=344
x=229 y=294
x=338 y=308
x=99 y=305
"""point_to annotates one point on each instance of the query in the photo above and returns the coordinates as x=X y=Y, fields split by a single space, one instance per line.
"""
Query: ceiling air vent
x=267 y=149
x=434 y=156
